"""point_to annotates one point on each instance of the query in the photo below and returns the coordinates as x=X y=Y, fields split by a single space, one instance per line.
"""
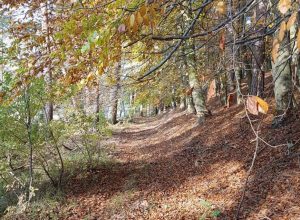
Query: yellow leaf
x=146 y=20
x=152 y=12
x=221 y=7
x=298 y=39
x=282 y=31
x=90 y=77
x=139 y=18
x=132 y=20
x=143 y=10
x=263 y=106
x=291 y=20
x=284 y=6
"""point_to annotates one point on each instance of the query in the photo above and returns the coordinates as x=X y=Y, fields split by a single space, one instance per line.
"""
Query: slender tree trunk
x=141 y=110
x=258 y=50
x=174 y=105
x=131 y=106
x=184 y=99
x=182 y=104
x=98 y=105
x=46 y=27
x=29 y=136
x=114 y=106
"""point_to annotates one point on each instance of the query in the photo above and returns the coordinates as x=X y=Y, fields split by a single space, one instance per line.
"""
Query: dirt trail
x=172 y=168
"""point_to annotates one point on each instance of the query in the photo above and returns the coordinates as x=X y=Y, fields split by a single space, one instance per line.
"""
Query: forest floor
x=169 y=167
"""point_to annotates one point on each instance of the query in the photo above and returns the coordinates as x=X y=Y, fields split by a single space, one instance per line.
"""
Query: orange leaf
x=222 y=42
x=291 y=20
x=298 y=39
x=146 y=20
x=282 y=31
x=275 y=50
x=143 y=10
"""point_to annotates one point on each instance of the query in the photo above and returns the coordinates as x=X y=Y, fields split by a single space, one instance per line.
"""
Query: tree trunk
x=182 y=104
x=199 y=96
x=114 y=106
x=46 y=28
x=198 y=93
x=184 y=99
x=97 y=106
x=258 y=50
x=282 y=79
x=238 y=78
x=174 y=104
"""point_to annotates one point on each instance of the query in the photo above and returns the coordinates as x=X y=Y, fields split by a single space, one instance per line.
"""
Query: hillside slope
x=171 y=168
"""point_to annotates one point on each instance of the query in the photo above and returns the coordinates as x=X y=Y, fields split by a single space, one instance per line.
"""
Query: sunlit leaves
x=284 y=6
x=221 y=7
x=143 y=18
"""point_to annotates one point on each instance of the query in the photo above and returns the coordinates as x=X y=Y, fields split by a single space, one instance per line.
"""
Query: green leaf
x=216 y=213
x=86 y=47
x=93 y=37
x=205 y=203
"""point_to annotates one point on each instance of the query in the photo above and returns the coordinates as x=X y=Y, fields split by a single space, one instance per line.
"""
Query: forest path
x=169 y=167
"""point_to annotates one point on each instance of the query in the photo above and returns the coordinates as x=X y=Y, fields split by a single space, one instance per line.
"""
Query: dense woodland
x=147 y=95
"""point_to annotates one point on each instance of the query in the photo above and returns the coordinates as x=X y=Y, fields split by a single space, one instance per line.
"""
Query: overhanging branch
x=153 y=69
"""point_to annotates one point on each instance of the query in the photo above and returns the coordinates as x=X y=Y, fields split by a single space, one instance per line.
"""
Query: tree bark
x=198 y=93
x=46 y=27
x=114 y=106
x=258 y=51
x=282 y=79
